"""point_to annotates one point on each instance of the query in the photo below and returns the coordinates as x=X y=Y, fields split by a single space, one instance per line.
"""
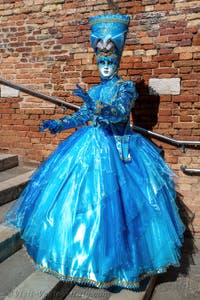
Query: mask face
x=106 y=67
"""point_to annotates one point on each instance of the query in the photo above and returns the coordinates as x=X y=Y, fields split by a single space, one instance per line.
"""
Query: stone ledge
x=164 y=86
x=7 y=92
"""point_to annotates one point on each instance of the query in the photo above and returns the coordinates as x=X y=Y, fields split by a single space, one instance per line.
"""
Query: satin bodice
x=113 y=100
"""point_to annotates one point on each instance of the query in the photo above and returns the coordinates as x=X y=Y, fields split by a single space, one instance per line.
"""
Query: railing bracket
x=191 y=172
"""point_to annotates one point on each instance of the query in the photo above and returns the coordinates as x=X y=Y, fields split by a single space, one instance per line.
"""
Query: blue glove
x=80 y=92
x=52 y=125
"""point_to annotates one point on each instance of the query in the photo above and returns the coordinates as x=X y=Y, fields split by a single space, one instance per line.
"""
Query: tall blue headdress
x=108 y=34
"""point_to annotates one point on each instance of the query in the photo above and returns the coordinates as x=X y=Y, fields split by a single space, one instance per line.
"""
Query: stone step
x=39 y=286
x=13 y=271
x=11 y=173
x=81 y=293
x=8 y=161
x=3 y=210
x=10 y=242
x=14 y=183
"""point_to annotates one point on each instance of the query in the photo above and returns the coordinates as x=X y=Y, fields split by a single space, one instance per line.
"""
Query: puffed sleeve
x=82 y=116
x=120 y=107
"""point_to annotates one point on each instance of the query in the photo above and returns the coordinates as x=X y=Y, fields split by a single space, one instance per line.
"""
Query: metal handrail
x=189 y=171
x=178 y=143
x=38 y=94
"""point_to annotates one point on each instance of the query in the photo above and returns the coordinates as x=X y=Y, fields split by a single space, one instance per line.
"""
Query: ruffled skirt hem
x=106 y=284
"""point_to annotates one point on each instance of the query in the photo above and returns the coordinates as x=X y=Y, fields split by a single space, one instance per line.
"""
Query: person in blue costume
x=101 y=209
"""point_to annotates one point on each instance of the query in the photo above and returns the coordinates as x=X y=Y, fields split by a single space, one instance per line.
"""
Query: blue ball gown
x=101 y=209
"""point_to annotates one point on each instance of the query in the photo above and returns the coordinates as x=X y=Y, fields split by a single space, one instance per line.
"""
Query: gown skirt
x=88 y=217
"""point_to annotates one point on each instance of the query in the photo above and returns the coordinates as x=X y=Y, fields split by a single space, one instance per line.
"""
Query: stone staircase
x=18 y=278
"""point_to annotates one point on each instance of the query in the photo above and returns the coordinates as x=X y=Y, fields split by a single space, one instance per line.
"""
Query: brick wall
x=44 y=45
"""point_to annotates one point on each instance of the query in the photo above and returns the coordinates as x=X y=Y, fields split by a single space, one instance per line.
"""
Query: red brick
x=180 y=37
x=185 y=125
x=185 y=118
x=170 y=31
x=165 y=112
x=186 y=42
x=165 y=64
x=136 y=9
x=184 y=70
x=166 y=71
x=196 y=39
x=164 y=7
x=185 y=55
x=146 y=40
x=190 y=83
x=165 y=1
x=169 y=57
x=165 y=51
x=185 y=98
x=167 y=119
x=172 y=159
x=148 y=65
